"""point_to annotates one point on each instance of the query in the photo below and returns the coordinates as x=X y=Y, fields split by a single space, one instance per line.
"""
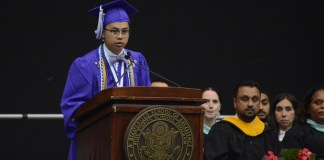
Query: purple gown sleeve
x=80 y=87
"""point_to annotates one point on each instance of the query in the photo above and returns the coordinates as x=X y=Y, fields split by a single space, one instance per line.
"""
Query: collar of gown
x=315 y=125
x=253 y=129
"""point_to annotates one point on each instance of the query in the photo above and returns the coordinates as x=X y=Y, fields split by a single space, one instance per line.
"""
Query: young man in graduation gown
x=243 y=136
x=110 y=65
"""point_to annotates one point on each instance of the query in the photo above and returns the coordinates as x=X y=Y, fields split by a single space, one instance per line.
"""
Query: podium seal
x=158 y=133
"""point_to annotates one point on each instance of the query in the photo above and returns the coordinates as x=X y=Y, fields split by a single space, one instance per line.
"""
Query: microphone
x=128 y=57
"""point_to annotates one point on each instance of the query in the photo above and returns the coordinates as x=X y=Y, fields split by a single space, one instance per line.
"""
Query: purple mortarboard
x=116 y=11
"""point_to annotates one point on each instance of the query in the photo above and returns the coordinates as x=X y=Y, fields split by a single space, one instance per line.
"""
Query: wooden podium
x=102 y=121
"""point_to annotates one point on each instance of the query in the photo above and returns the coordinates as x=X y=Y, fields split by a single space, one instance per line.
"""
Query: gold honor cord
x=104 y=75
x=131 y=73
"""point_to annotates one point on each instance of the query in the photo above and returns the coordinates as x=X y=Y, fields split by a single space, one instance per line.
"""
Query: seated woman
x=212 y=108
x=283 y=113
x=310 y=132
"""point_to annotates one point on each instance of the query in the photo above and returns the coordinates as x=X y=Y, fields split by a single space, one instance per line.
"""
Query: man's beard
x=264 y=118
x=248 y=115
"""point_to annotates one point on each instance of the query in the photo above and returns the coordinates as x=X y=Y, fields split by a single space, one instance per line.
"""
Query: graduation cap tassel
x=98 y=32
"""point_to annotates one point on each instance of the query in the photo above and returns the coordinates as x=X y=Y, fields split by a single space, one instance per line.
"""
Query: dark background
x=193 y=43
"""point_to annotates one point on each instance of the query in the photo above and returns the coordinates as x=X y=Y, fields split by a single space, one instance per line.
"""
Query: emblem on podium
x=158 y=133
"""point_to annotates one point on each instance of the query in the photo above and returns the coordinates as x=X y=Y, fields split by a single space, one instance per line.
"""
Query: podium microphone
x=146 y=69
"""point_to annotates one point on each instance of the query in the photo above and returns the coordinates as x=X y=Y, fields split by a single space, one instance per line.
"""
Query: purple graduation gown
x=83 y=82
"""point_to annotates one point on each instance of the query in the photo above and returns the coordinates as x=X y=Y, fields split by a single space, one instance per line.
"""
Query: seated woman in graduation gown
x=212 y=108
x=282 y=114
x=310 y=132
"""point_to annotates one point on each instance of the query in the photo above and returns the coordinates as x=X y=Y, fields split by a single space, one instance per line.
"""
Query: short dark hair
x=265 y=92
x=248 y=83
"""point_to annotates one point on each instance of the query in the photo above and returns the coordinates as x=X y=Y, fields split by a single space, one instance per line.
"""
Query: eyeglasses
x=116 y=32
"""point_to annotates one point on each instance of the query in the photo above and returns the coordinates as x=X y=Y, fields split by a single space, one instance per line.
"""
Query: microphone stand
x=125 y=71
x=132 y=62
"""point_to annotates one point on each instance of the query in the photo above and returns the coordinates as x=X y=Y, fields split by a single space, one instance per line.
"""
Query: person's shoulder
x=225 y=128
x=88 y=57
x=88 y=60
x=298 y=129
x=224 y=125
x=269 y=131
x=134 y=53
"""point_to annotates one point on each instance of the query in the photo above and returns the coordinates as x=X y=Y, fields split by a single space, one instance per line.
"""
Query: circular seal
x=158 y=133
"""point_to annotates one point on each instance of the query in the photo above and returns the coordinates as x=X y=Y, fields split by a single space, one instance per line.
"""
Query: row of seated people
x=257 y=127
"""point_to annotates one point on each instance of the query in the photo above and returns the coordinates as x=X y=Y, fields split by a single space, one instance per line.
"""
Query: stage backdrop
x=193 y=43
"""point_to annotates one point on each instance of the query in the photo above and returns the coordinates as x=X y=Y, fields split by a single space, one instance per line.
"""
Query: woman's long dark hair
x=291 y=98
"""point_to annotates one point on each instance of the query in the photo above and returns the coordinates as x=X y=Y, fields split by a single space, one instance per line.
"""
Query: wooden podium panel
x=103 y=120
